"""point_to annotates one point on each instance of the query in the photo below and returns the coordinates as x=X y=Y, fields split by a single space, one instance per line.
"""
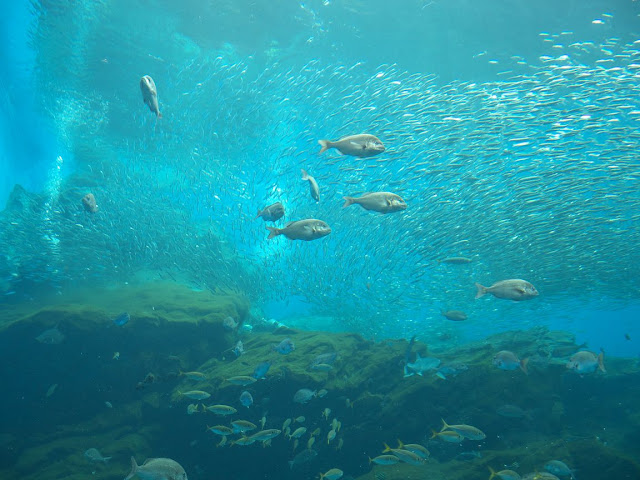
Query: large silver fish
x=150 y=94
x=383 y=202
x=157 y=469
x=514 y=289
x=309 y=229
x=363 y=145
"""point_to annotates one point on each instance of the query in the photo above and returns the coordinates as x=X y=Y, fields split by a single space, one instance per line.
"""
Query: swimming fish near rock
x=285 y=347
x=467 y=431
x=89 y=203
x=559 y=469
x=514 y=289
x=333 y=474
x=271 y=213
x=307 y=230
x=52 y=336
x=122 y=319
x=157 y=469
x=506 y=360
x=586 y=362
x=94 y=455
x=304 y=395
x=382 y=202
x=246 y=399
x=195 y=395
x=150 y=94
x=313 y=185
x=504 y=474
x=421 y=365
x=363 y=145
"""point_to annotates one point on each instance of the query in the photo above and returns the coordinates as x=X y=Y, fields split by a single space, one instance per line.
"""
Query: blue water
x=510 y=127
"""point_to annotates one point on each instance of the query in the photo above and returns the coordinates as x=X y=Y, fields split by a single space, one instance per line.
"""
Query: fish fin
x=305 y=175
x=441 y=375
x=274 y=232
x=325 y=144
x=387 y=448
x=523 y=365
x=258 y=214
x=482 y=291
x=601 y=362
x=159 y=115
x=493 y=473
x=134 y=469
x=348 y=201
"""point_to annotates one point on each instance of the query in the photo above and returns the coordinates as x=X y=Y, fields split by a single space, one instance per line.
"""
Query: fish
x=264 y=435
x=454 y=315
x=506 y=360
x=304 y=395
x=261 y=370
x=307 y=230
x=421 y=365
x=246 y=400
x=467 y=431
x=195 y=376
x=415 y=448
x=242 y=426
x=450 y=436
x=331 y=435
x=229 y=323
x=150 y=94
x=382 y=202
x=222 y=430
x=362 y=145
x=313 y=185
x=333 y=474
x=304 y=456
x=456 y=260
x=586 y=362
x=244 y=441
x=322 y=393
x=89 y=203
x=52 y=336
x=298 y=432
x=271 y=213
x=384 y=460
x=300 y=419
x=559 y=469
x=451 y=369
x=540 y=476
x=238 y=349
x=324 y=358
x=504 y=474
x=242 y=380
x=51 y=390
x=514 y=289
x=122 y=319
x=285 y=347
x=94 y=455
x=406 y=456
x=221 y=409
x=192 y=408
x=195 y=394
x=157 y=469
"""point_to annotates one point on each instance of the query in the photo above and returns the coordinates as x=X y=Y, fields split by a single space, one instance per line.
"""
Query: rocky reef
x=91 y=383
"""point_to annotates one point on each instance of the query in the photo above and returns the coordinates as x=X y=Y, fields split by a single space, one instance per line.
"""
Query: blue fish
x=246 y=399
x=285 y=347
x=122 y=319
x=261 y=370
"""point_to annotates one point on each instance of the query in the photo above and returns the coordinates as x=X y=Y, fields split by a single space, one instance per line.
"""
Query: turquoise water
x=511 y=131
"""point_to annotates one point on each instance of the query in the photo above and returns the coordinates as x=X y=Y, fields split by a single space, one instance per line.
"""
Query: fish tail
x=274 y=232
x=493 y=473
x=348 y=201
x=601 y=362
x=159 y=114
x=134 y=469
x=434 y=434
x=523 y=365
x=387 y=448
x=325 y=144
x=305 y=175
x=258 y=214
x=444 y=425
x=400 y=444
x=482 y=291
x=106 y=459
